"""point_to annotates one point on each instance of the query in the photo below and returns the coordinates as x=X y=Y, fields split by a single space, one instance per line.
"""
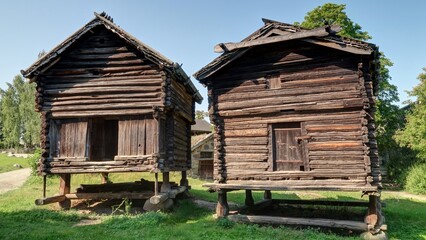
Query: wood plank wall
x=101 y=76
x=321 y=88
x=137 y=136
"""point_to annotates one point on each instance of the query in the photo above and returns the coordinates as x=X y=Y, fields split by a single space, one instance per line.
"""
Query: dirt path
x=406 y=195
x=13 y=179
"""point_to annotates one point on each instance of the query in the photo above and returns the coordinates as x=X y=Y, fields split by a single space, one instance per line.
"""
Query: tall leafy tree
x=30 y=119
x=413 y=135
x=334 y=14
x=200 y=114
x=387 y=114
x=10 y=116
x=20 y=121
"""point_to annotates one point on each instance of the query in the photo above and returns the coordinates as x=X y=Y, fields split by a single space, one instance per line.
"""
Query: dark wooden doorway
x=206 y=169
x=103 y=139
x=287 y=147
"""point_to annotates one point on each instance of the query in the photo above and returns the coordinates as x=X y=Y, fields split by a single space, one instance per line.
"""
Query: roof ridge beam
x=317 y=32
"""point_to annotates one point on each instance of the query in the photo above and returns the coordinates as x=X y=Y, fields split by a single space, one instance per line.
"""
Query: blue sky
x=186 y=31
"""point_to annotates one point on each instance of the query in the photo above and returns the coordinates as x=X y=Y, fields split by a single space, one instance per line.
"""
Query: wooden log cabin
x=110 y=103
x=293 y=109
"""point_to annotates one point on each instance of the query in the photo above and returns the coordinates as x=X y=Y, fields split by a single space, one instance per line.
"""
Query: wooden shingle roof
x=273 y=32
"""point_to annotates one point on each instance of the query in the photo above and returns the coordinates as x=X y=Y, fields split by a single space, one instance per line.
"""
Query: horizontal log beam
x=322 y=202
x=118 y=195
x=319 y=222
x=266 y=186
x=48 y=200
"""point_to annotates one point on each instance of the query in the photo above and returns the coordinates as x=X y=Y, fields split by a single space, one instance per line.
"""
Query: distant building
x=202 y=150
x=201 y=127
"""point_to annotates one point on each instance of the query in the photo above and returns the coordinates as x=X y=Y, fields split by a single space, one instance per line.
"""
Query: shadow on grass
x=406 y=219
x=35 y=224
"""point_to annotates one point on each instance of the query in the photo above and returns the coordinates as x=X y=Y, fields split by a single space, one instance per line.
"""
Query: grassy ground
x=6 y=163
x=20 y=219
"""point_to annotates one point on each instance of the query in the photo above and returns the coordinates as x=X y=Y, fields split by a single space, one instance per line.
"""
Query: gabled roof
x=201 y=126
x=49 y=59
x=200 y=140
x=273 y=32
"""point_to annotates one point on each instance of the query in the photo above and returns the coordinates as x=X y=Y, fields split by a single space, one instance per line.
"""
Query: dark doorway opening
x=103 y=139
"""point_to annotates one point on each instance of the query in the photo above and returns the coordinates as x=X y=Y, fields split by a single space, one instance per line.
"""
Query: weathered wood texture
x=102 y=75
x=105 y=103
x=137 y=136
x=329 y=93
x=320 y=222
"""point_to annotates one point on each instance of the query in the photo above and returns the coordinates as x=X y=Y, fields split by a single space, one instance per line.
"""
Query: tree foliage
x=200 y=114
x=413 y=135
x=10 y=116
x=20 y=121
x=334 y=14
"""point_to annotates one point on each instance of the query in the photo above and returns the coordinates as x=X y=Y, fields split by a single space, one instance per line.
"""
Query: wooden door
x=137 y=136
x=288 y=149
x=206 y=169
x=72 y=138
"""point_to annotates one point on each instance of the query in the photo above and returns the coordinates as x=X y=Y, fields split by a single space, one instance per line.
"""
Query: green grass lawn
x=21 y=219
x=6 y=163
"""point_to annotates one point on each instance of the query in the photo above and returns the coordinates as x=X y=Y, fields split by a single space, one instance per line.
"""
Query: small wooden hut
x=110 y=103
x=202 y=156
x=293 y=109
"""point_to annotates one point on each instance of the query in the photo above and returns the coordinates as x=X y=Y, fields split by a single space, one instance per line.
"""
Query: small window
x=206 y=155
x=274 y=80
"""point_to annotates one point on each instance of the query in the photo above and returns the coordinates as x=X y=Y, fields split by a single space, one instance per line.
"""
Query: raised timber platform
x=289 y=185
x=143 y=189
x=290 y=211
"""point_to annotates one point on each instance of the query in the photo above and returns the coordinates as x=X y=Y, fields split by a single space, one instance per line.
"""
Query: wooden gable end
x=101 y=75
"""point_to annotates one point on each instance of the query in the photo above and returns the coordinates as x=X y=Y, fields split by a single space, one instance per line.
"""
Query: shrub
x=33 y=161
x=225 y=223
x=416 y=179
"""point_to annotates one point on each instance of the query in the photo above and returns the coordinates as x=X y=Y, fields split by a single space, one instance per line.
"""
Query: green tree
x=334 y=14
x=30 y=119
x=200 y=114
x=20 y=121
x=10 y=116
x=413 y=135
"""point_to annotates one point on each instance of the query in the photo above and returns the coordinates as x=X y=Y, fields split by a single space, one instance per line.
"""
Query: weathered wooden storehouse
x=293 y=109
x=110 y=103
x=202 y=156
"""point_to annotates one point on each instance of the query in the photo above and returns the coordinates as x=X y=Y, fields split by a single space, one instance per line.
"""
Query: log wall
x=329 y=92
x=101 y=80
x=101 y=76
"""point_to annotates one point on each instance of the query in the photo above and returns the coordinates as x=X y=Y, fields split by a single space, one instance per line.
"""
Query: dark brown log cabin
x=293 y=109
x=109 y=103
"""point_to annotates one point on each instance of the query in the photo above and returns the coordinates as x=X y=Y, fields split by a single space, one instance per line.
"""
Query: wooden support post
x=105 y=178
x=166 y=187
x=249 y=198
x=64 y=188
x=222 y=208
x=44 y=185
x=267 y=194
x=372 y=214
x=156 y=184
x=184 y=180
